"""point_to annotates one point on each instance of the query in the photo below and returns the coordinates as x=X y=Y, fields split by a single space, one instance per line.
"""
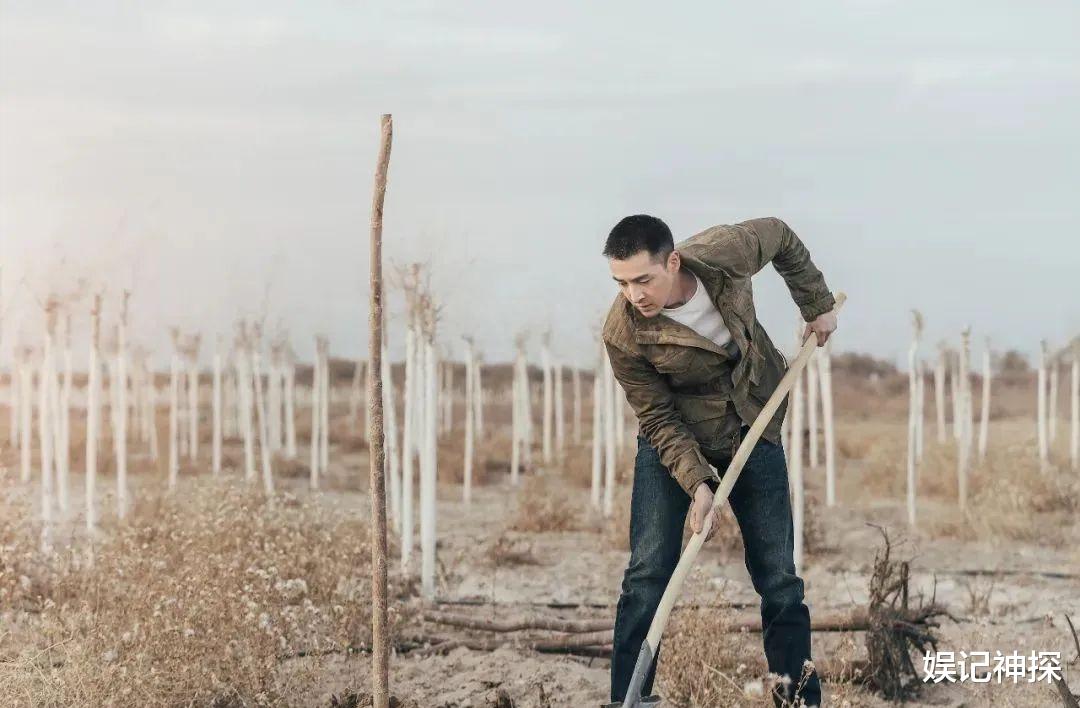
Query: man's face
x=648 y=285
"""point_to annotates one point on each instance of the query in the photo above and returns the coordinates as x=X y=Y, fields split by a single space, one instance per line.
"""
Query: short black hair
x=637 y=233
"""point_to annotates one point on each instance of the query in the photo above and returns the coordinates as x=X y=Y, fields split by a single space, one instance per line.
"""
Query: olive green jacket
x=682 y=386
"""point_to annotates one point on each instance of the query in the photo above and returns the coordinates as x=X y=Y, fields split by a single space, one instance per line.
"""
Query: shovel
x=689 y=554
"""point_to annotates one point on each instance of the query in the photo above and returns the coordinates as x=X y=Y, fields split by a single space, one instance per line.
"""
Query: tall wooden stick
x=545 y=362
x=812 y=411
x=380 y=658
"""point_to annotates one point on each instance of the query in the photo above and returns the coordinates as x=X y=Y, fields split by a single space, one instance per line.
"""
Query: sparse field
x=215 y=596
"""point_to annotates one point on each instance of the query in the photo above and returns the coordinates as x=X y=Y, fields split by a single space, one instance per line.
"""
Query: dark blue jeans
x=762 y=508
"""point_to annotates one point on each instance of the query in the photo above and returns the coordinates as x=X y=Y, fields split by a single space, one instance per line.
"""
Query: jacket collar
x=661 y=329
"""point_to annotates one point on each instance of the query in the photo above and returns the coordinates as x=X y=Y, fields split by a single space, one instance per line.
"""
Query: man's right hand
x=699 y=510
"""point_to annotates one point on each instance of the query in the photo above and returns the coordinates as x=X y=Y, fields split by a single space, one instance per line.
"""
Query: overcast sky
x=219 y=161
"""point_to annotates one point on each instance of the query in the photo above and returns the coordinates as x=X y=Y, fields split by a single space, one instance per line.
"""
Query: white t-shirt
x=700 y=314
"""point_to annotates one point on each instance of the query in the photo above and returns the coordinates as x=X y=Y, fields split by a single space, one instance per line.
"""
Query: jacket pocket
x=704 y=415
x=677 y=360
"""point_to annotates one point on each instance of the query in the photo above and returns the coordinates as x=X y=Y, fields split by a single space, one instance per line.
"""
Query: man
x=697 y=368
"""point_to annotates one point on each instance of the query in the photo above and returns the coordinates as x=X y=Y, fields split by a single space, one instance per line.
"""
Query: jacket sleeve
x=761 y=241
x=661 y=422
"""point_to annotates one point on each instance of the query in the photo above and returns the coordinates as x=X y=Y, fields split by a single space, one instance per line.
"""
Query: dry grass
x=544 y=504
x=195 y=601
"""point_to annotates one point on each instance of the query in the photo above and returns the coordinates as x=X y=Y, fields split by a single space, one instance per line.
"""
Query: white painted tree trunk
x=576 y=384
x=174 y=420
x=152 y=397
x=610 y=427
x=215 y=443
x=1044 y=452
x=984 y=419
x=316 y=416
x=63 y=458
x=93 y=414
x=290 y=408
x=46 y=439
x=260 y=415
x=478 y=400
x=181 y=411
x=193 y=408
x=825 y=376
x=274 y=385
x=517 y=435
x=406 y=523
x=247 y=428
x=940 y=368
x=26 y=400
x=560 y=414
x=429 y=476
x=229 y=404
x=122 y=503
x=393 y=451
x=1052 y=416
x=470 y=412
x=812 y=388
x=597 y=428
x=545 y=362
x=796 y=468
x=964 y=450
x=1074 y=442
x=920 y=415
x=955 y=392
x=618 y=416
x=913 y=403
x=527 y=410
x=324 y=400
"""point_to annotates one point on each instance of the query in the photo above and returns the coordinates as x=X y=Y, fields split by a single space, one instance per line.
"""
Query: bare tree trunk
x=380 y=666
x=243 y=379
x=193 y=404
x=912 y=406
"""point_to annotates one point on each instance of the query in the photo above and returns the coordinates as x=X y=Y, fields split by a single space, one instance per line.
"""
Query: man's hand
x=823 y=326
x=699 y=509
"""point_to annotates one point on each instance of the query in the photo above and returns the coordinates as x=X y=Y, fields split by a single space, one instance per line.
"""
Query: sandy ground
x=1022 y=611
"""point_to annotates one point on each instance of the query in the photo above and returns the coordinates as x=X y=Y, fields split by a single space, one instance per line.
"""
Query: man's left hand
x=823 y=326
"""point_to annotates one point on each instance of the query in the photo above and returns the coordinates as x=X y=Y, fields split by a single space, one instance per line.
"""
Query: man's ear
x=674 y=261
